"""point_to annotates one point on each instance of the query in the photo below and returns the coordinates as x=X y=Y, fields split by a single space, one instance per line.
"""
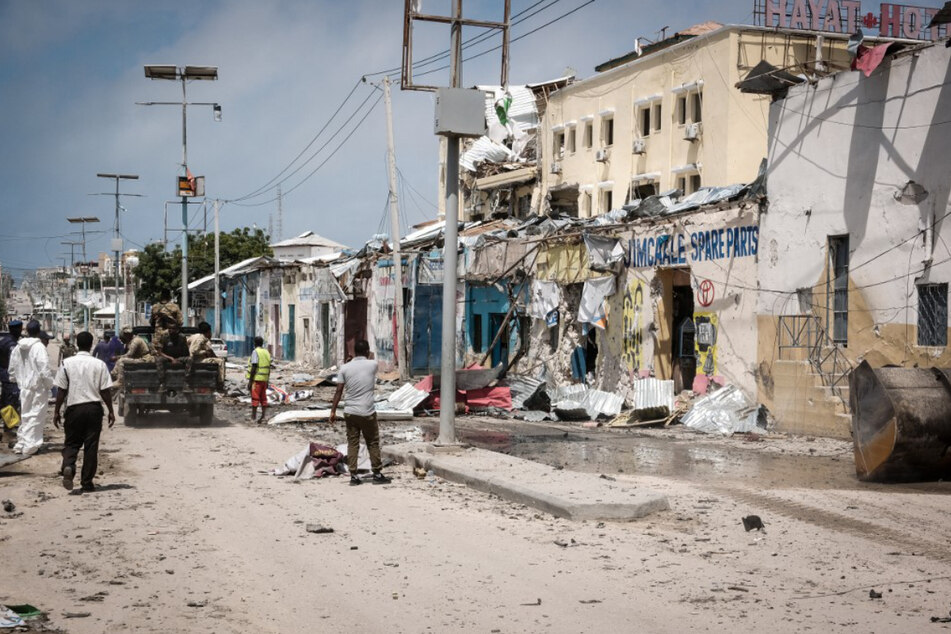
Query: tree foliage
x=159 y=271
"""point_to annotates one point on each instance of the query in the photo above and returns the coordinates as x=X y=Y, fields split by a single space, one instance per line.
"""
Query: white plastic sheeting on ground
x=726 y=411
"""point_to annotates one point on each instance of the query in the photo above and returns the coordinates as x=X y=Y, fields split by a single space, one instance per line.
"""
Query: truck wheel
x=206 y=413
x=130 y=414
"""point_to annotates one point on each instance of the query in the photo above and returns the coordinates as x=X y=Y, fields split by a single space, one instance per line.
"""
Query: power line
x=309 y=144
x=322 y=163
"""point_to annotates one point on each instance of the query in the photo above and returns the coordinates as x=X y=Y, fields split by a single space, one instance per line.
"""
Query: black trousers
x=83 y=426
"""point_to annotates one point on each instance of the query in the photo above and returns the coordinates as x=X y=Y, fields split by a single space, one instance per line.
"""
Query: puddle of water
x=693 y=459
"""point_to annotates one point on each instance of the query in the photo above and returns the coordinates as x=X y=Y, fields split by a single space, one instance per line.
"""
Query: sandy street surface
x=185 y=534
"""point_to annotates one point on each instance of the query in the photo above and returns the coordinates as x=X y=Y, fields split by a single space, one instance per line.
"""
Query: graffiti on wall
x=705 y=340
x=632 y=321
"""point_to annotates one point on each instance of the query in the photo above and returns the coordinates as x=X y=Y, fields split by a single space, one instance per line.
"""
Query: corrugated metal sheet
x=522 y=388
x=726 y=412
x=405 y=398
x=650 y=393
x=485 y=149
x=598 y=402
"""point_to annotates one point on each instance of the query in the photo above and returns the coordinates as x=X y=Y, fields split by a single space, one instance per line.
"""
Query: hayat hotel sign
x=847 y=16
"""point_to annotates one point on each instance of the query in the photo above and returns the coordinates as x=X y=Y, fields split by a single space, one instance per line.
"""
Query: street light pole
x=183 y=74
x=72 y=270
x=83 y=221
x=117 y=241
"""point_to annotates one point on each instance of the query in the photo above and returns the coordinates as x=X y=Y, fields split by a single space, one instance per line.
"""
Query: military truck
x=194 y=395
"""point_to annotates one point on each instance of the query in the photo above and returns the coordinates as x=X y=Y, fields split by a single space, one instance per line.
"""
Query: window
x=933 y=315
x=642 y=189
x=838 y=293
x=477 y=333
x=571 y=139
x=588 y=136
x=607 y=131
x=689 y=108
x=688 y=183
x=694 y=182
x=656 y=116
x=607 y=202
x=644 y=120
x=558 y=143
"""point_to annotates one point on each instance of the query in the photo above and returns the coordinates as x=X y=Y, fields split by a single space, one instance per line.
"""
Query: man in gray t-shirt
x=358 y=376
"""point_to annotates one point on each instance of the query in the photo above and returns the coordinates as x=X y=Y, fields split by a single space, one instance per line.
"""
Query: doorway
x=684 y=355
x=354 y=324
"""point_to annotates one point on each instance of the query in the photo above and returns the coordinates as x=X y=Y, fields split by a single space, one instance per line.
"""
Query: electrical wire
x=306 y=147
x=466 y=44
x=512 y=40
x=322 y=163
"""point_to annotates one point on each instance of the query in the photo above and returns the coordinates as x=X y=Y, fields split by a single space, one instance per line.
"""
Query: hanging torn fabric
x=868 y=59
x=545 y=298
x=604 y=253
x=594 y=306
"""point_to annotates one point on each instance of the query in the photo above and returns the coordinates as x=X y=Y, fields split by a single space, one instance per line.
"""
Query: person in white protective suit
x=30 y=368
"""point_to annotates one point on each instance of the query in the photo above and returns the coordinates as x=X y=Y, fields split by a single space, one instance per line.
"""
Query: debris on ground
x=317 y=528
x=314 y=461
x=726 y=412
x=873 y=594
x=753 y=522
x=8 y=506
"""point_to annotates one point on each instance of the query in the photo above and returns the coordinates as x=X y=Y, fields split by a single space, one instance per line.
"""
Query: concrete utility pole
x=117 y=241
x=402 y=360
x=447 y=382
x=456 y=123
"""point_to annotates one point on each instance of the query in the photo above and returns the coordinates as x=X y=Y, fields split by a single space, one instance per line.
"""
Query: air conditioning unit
x=692 y=131
x=556 y=167
x=601 y=156
x=640 y=146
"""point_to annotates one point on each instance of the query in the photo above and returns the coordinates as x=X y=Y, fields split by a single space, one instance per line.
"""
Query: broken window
x=933 y=315
x=682 y=109
x=694 y=182
x=588 y=134
x=642 y=189
x=697 y=107
x=570 y=142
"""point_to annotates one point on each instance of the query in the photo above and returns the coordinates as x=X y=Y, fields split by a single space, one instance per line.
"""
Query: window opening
x=839 y=288
x=933 y=315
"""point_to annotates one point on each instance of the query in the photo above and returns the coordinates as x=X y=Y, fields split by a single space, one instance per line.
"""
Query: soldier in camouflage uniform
x=200 y=351
x=137 y=350
x=164 y=314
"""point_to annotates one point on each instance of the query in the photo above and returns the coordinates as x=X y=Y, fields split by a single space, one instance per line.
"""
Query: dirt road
x=186 y=534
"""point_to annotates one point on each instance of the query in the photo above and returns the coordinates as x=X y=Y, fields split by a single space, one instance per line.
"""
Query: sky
x=72 y=72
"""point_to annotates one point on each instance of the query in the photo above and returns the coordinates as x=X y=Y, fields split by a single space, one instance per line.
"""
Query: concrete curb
x=567 y=494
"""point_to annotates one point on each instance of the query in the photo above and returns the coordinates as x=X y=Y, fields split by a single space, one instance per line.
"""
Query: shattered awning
x=766 y=79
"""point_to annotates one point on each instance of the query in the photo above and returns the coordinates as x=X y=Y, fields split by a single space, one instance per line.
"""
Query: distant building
x=306 y=245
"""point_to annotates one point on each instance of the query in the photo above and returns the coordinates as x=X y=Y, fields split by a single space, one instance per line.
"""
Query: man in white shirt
x=30 y=368
x=358 y=376
x=84 y=385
